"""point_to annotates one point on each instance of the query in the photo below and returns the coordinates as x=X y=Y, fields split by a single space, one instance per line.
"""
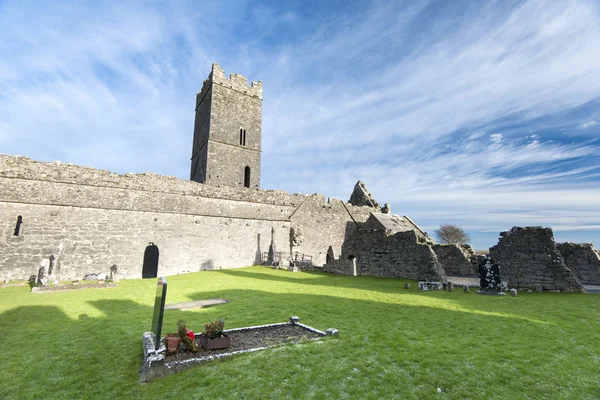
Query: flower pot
x=173 y=340
x=222 y=342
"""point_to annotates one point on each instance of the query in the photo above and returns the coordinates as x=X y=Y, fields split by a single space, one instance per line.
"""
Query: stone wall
x=201 y=132
x=455 y=260
x=25 y=169
x=317 y=225
x=583 y=260
x=528 y=257
x=101 y=218
x=93 y=239
x=379 y=254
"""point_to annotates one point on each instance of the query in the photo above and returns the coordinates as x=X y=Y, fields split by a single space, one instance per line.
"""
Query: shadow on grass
x=502 y=306
x=52 y=355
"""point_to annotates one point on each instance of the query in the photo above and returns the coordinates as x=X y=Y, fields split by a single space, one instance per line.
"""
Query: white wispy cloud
x=588 y=124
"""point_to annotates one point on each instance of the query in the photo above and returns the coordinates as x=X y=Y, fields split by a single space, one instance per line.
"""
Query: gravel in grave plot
x=243 y=340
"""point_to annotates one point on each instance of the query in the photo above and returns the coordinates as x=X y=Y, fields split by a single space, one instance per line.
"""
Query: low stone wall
x=528 y=258
x=454 y=260
x=583 y=260
x=379 y=254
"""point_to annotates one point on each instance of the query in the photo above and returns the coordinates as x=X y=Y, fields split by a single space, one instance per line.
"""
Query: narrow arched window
x=241 y=137
x=18 y=226
x=244 y=137
x=247 y=177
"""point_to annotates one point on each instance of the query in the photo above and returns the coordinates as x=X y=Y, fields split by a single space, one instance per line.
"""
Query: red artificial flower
x=190 y=334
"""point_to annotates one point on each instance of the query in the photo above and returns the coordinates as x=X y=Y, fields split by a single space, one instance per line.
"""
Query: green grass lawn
x=394 y=343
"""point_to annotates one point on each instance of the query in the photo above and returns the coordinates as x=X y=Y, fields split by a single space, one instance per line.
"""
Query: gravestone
x=41 y=273
x=407 y=286
x=466 y=289
x=513 y=292
x=159 y=310
x=426 y=285
x=113 y=272
x=451 y=286
x=489 y=276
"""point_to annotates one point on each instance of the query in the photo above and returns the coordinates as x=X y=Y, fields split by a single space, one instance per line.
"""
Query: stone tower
x=227 y=131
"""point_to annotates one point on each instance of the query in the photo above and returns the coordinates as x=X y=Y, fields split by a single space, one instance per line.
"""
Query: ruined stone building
x=74 y=220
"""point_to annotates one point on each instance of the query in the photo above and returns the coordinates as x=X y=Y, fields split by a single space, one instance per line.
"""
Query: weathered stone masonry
x=227 y=131
x=102 y=218
x=377 y=253
x=583 y=260
x=529 y=258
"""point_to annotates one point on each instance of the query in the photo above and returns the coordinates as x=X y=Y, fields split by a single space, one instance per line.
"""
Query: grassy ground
x=394 y=343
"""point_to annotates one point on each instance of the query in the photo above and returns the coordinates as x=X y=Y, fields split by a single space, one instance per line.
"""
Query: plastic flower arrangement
x=187 y=336
x=214 y=329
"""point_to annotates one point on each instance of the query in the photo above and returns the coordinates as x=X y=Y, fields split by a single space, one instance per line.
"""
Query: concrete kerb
x=154 y=365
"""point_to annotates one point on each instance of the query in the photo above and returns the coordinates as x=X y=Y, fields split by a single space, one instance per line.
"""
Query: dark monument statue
x=489 y=276
x=159 y=309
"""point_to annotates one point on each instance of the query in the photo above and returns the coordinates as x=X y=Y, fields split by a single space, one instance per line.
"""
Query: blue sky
x=483 y=114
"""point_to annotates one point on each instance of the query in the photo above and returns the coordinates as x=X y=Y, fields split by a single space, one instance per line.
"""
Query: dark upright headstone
x=51 y=266
x=489 y=276
x=113 y=272
x=41 y=273
x=150 y=267
x=159 y=309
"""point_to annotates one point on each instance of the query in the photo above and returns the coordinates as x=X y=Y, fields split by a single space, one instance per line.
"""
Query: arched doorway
x=150 y=267
x=247 y=177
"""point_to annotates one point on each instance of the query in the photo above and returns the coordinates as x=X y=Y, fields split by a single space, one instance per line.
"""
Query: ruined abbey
x=73 y=220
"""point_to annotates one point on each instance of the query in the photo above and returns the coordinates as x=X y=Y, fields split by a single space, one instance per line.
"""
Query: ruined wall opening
x=18 y=226
x=247 y=177
x=150 y=266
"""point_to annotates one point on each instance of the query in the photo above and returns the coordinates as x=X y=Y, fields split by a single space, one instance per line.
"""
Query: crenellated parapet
x=235 y=82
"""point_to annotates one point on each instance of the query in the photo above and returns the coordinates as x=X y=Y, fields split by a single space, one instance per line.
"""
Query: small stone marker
x=294 y=320
x=407 y=286
x=513 y=292
x=426 y=285
x=332 y=332
x=159 y=310
x=539 y=288
x=450 y=287
x=466 y=289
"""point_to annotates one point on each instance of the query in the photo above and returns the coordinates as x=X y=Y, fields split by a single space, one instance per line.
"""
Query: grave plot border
x=154 y=365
